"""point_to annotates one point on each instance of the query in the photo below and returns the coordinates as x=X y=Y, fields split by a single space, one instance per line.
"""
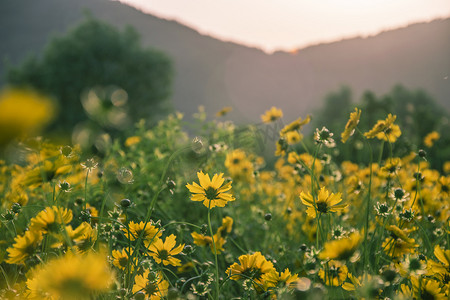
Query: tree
x=334 y=110
x=417 y=115
x=96 y=54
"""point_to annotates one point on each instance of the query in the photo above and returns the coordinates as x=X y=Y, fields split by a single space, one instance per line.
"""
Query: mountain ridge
x=218 y=73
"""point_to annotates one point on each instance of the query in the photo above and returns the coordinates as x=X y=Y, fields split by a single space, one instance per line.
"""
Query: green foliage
x=417 y=115
x=95 y=53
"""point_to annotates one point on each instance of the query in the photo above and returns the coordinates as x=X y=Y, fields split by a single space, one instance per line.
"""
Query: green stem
x=85 y=189
x=313 y=194
x=366 y=225
x=100 y=219
x=381 y=153
x=6 y=277
x=152 y=204
x=215 y=250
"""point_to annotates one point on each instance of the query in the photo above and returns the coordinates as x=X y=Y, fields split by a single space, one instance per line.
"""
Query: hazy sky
x=290 y=24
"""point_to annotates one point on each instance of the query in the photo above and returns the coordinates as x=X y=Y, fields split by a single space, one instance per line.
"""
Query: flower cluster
x=160 y=217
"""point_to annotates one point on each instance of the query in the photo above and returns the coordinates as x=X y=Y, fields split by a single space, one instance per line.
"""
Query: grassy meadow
x=192 y=210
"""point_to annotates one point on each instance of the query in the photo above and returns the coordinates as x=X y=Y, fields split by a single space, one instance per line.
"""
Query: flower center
x=322 y=207
x=399 y=193
x=151 y=288
x=211 y=193
x=414 y=264
x=123 y=261
x=334 y=272
x=163 y=254
x=324 y=135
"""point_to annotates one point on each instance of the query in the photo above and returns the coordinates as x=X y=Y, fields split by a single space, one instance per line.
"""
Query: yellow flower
x=440 y=269
x=390 y=134
x=224 y=111
x=132 y=140
x=293 y=137
x=152 y=285
x=164 y=251
x=424 y=288
x=296 y=125
x=274 y=279
x=325 y=202
x=122 y=258
x=333 y=273
x=272 y=115
x=351 y=125
x=238 y=164
x=399 y=243
x=219 y=240
x=82 y=238
x=251 y=265
x=234 y=159
x=24 y=246
x=443 y=187
x=225 y=228
x=22 y=112
x=85 y=238
x=446 y=167
x=50 y=219
x=341 y=249
x=385 y=130
x=72 y=277
x=45 y=172
x=187 y=267
x=431 y=138
x=149 y=235
x=203 y=240
x=354 y=282
x=391 y=167
x=211 y=192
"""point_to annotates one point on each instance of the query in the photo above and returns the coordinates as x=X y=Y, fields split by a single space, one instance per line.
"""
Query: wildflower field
x=168 y=214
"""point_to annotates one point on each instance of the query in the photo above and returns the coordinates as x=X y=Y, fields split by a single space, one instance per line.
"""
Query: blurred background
x=104 y=64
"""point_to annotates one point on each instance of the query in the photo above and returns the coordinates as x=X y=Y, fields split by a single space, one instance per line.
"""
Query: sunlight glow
x=291 y=24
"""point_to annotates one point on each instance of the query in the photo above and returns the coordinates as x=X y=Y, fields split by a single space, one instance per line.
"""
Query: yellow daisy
x=122 y=258
x=333 y=273
x=150 y=233
x=274 y=279
x=398 y=243
x=325 y=202
x=440 y=269
x=341 y=249
x=224 y=111
x=72 y=277
x=296 y=125
x=219 y=237
x=24 y=247
x=430 y=138
x=163 y=252
x=83 y=237
x=22 y=112
x=203 y=240
x=211 y=192
x=132 y=140
x=152 y=285
x=351 y=125
x=424 y=288
x=385 y=130
x=251 y=265
x=293 y=137
x=272 y=115
x=50 y=219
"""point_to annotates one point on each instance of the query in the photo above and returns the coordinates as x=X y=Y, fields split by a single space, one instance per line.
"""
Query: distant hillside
x=217 y=73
